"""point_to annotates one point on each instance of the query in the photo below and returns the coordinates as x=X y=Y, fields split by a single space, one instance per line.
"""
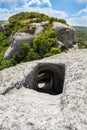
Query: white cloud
x=81 y=12
x=28 y=8
x=47 y=2
x=6 y=0
x=55 y=13
x=46 y=10
x=12 y=3
x=39 y=2
x=77 y=21
x=4 y=14
x=82 y=1
x=80 y=18
x=31 y=2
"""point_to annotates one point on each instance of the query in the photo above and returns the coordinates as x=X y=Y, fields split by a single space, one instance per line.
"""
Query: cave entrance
x=50 y=78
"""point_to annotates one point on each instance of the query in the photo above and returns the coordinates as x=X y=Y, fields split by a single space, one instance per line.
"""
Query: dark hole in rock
x=50 y=78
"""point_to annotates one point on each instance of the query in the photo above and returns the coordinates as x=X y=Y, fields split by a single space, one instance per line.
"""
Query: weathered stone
x=21 y=37
x=66 y=34
x=2 y=27
x=22 y=108
x=16 y=43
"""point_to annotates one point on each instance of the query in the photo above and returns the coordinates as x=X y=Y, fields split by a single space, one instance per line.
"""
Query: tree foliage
x=81 y=33
x=44 y=42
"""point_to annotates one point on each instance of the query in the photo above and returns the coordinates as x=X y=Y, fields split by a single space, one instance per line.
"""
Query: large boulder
x=66 y=34
x=19 y=38
x=16 y=43
x=24 y=107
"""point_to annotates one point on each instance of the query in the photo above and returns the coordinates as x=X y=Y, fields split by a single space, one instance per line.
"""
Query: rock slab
x=26 y=109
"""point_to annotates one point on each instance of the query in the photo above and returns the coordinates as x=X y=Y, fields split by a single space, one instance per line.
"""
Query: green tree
x=44 y=42
x=31 y=55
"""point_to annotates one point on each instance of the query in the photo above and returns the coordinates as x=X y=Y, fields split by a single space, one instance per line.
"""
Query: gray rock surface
x=2 y=27
x=19 y=38
x=16 y=43
x=66 y=34
x=26 y=109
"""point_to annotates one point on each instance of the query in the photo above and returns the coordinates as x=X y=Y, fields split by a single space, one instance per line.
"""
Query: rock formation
x=26 y=106
x=66 y=34
x=21 y=37
x=2 y=27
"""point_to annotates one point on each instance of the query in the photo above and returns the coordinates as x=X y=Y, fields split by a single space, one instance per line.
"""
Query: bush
x=53 y=51
x=31 y=55
x=62 y=21
x=6 y=63
x=44 y=42
x=82 y=45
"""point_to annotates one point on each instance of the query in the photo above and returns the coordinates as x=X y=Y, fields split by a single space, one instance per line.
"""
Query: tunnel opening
x=50 y=78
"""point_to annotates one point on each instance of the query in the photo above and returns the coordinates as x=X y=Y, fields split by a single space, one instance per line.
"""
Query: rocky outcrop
x=2 y=26
x=66 y=34
x=22 y=37
x=23 y=107
x=16 y=43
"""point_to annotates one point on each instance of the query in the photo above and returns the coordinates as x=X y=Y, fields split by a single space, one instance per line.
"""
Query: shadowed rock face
x=66 y=34
x=46 y=78
x=51 y=76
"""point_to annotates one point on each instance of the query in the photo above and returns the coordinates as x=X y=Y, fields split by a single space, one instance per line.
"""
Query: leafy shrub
x=62 y=21
x=7 y=63
x=82 y=45
x=81 y=33
x=53 y=51
x=44 y=42
x=31 y=55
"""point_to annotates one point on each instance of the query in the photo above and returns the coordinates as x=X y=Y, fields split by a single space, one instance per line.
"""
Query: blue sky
x=73 y=11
